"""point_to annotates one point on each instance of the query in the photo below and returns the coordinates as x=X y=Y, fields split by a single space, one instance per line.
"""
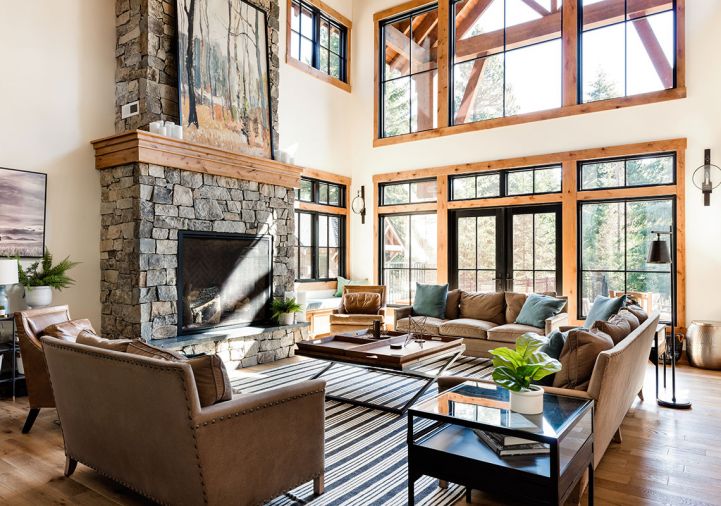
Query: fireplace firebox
x=224 y=279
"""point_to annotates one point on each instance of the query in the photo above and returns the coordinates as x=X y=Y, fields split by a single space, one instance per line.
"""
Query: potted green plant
x=517 y=369
x=41 y=277
x=284 y=310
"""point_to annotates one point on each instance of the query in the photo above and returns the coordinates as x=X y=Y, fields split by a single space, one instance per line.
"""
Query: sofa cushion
x=89 y=338
x=355 y=319
x=630 y=317
x=554 y=346
x=211 y=379
x=538 y=308
x=514 y=303
x=466 y=327
x=452 y=304
x=69 y=330
x=430 y=325
x=602 y=309
x=138 y=347
x=638 y=312
x=578 y=357
x=617 y=328
x=509 y=332
x=488 y=307
x=430 y=300
x=361 y=303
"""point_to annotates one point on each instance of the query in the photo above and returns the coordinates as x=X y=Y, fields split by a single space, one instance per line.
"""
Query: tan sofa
x=138 y=420
x=616 y=380
x=484 y=320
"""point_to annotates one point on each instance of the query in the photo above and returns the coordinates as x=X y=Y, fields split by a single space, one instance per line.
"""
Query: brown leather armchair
x=360 y=307
x=30 y=325
x=138 y=421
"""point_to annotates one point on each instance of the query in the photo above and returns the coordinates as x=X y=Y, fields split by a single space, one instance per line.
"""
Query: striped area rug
x=365 y=448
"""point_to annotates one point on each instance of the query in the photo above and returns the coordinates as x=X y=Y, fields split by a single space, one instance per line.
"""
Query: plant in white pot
x=41 y=277
x=517 y=369
x=284 y=310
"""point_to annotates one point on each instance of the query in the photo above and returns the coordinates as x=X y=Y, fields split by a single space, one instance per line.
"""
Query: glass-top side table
x=442 y=443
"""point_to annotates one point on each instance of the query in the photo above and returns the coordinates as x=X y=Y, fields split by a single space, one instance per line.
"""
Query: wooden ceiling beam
x=655 y=51
x=471 y=91
x=540 y=9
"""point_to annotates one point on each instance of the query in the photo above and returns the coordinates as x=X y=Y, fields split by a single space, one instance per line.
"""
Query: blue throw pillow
x=553 y=348
x=603 y=309
x=538 y=308
x=430 y=300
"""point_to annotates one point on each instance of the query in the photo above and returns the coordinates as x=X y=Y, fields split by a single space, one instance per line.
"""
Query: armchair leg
x=319 y=485
x=640 y=394
x=70 y=465
x=617 y=438
x=30 y=420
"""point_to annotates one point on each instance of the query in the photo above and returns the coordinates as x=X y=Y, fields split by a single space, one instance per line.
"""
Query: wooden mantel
x=140 y=146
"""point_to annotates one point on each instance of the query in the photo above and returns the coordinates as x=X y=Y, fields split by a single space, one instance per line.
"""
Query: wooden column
x=569 y=237
x=570 y=52
x=443 y=59
x=442 y=224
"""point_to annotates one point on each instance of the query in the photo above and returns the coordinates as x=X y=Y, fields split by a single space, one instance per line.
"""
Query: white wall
x=697 y=117
x=57 y=90
x=313 y=114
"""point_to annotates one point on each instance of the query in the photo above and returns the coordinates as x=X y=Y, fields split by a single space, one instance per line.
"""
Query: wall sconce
x=358 y=205
x=707 y=177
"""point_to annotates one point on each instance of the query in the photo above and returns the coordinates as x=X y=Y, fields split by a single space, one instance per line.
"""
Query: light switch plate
x=131 y=109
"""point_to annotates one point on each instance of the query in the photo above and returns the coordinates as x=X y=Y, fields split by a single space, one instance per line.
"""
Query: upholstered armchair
x=30 y=324
x=360 y=306
x=138 y=420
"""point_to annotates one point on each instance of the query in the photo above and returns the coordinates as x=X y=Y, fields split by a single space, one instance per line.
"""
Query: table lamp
x=8 y=276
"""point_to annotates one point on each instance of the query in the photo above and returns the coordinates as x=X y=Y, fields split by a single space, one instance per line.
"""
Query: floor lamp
x=660 y=253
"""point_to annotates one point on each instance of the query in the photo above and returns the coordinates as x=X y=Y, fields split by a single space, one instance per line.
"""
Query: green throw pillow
x=602 y=309
x=430 y=300
x=343 y=282
x=538 y=308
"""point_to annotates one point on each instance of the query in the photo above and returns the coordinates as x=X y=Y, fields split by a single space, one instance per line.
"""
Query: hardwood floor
x=667 y=456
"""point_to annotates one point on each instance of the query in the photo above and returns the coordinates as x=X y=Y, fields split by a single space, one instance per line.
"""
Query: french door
x=506 y=249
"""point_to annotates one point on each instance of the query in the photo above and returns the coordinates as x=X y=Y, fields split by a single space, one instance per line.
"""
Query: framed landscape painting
x=22 y=213
x=223 y=77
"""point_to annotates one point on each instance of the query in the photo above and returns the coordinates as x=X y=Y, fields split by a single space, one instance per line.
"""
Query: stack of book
x=506 y=446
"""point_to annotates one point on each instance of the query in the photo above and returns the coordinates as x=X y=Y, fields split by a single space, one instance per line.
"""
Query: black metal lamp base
x=677 y=404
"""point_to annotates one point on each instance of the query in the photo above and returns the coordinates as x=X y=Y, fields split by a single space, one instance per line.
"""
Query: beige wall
x=57 y=90
x=697 y=117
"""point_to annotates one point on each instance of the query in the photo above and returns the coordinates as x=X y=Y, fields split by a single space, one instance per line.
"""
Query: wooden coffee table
x=360 y=349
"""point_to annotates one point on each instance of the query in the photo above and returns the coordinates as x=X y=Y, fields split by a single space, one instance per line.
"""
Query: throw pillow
x=617 y=327
x=514 y=304
x=578 y=357
x=602 y=309
x=538 y=308
x=89 y=338
x=553 y=348
x=361 y=303
x=487 y=307
x=453 y=304
x=630 y=317
x=138 y=347
x=430 y=300
x=638 y=312
x=69 y=330
x=343 y=282
x=211 y=379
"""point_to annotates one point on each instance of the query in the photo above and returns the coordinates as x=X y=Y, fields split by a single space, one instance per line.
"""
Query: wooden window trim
x=569 y=197
x=308 y=69
x=330 y=177
x=570 y=105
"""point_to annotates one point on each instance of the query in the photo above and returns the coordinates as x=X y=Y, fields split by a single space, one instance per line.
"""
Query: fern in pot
x=518 y=369
x=284 y=310
x=41 y=277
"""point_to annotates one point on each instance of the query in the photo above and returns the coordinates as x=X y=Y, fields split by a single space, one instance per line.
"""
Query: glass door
x=512 y=248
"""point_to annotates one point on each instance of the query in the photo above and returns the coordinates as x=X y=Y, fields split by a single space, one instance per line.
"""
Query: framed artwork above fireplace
x=224 y=83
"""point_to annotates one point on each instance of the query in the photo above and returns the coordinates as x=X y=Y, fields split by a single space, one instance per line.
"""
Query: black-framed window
x=409 y=73
x=318 y=40
x=408 y=253
x=320 y=253
x=626 y=47
x=408 y=192
x=511 y=183
x=321 y=192
x=614 y=239
x=647 y=170
x=516 y=68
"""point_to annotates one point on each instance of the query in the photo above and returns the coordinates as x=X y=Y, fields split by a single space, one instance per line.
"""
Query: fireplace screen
x=223 y=279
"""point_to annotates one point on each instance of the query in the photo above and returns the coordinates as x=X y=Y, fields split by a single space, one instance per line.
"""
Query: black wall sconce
x=358 y=205
x=707 y=177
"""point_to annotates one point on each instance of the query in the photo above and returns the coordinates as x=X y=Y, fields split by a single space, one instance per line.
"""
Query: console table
x=9 y=351
x=442 y=444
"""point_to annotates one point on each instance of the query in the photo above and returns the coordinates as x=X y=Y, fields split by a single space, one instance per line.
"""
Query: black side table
x=10 y=351
x=442 y=444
